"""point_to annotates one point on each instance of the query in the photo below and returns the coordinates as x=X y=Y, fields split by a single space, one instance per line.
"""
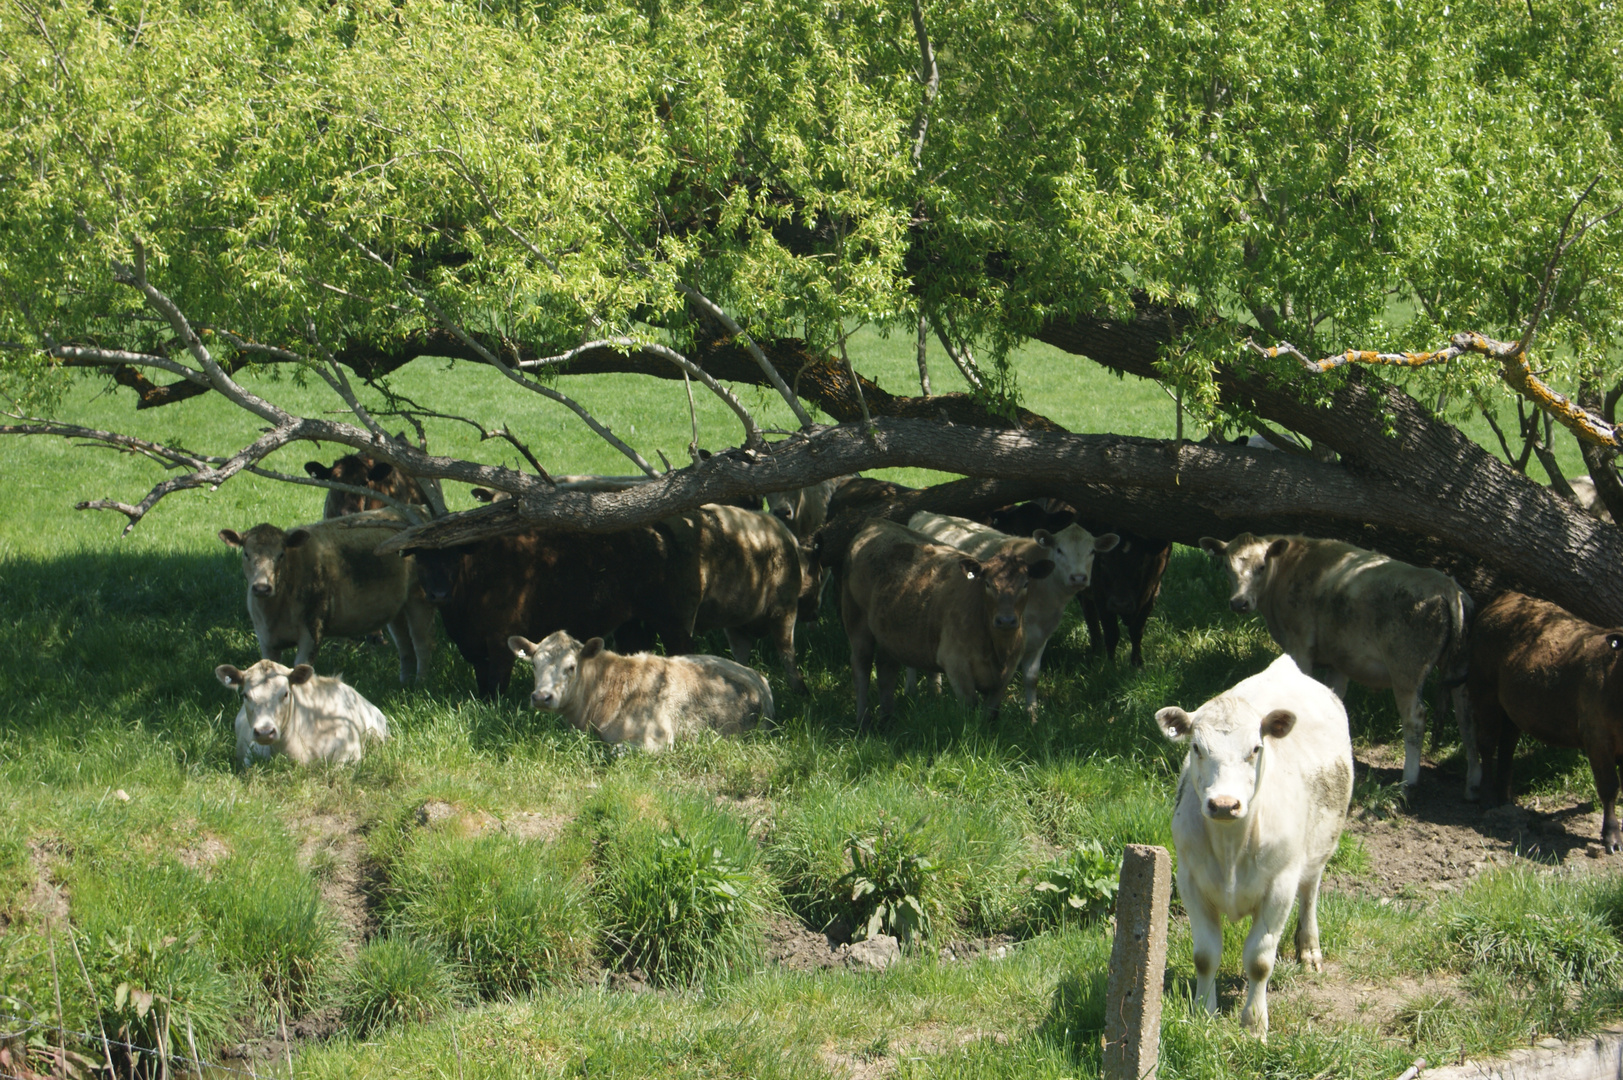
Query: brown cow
x=533 y=583
x=909 y=602
x=321 y=579
x=363 y=470
x=645 y=700
x=749 y=578
x=805 y=509
x=1537 y=669
x=1126 y=583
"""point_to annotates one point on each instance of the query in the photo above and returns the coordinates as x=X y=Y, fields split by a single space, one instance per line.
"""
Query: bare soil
x=1438 y=842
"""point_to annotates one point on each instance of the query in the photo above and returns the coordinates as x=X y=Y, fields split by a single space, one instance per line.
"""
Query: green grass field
x=493 y=894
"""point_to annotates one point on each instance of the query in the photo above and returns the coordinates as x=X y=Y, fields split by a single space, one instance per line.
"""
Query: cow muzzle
x=1223 y=807
x=544 y=699
x=264 y=736
x=1240 y=603
x=1079 y=580
x=1006 y=622
x=262 y=588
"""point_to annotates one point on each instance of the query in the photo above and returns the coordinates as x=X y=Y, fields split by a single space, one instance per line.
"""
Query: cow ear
x=318 y=470
x=1043 y=537
x=300 y=675
x=1212 y=546
x=1039 y=570
x=229 y=675
x=591 y=648
x=380 y=472
x=1277 y=548
x=484 y=495
x=1174 y=723
x=972 y=569
x=1107 y=542
x=1278 y=723
x=522 y=647
x=296 y=538
x=232 y=537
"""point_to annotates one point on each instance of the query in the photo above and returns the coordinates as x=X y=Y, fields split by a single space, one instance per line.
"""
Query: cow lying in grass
x=1261 y=803
x=645 y=700
x=296 y=712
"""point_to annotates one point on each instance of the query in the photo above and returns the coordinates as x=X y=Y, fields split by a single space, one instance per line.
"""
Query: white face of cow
x=557 y=662
x=1072 y=549
x=263 y=549
x=1246 y=560
x=265 y=688
x=1227 y=752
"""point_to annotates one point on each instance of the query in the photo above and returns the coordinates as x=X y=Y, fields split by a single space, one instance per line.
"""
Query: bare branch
x=1563 y=242
x=965 y=362
x=495 y=361
x=485 y=434
x=1513 y=367
x=924 y=368
x=931 y=78
x=711 y=308
x=411 y=513
x=752 y=432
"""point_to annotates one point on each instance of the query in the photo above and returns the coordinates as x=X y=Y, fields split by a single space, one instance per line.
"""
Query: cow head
x=556 y=661
x=1246 y=559
x=1128 y=577
x=1005 y=578
x=266 y=688
x=263 y=548
x=362 y=470
x=439 y=570
x=1227 y=752
x=1073 y=549
x=784 y=505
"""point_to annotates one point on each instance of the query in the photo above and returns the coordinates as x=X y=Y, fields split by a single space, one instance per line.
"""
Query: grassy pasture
x=494 y=893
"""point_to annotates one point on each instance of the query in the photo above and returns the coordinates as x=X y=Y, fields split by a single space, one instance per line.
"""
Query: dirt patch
x=529 y=825
x=47 y=899
x=1438 y=842
x=203 y=853
x=1333 y=999
x=791 y=944
x=333 y=852
x=996 y=947
x=879 y=1057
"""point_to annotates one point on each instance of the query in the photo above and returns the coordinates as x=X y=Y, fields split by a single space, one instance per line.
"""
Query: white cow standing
x=1262 y=800
x=296 y=712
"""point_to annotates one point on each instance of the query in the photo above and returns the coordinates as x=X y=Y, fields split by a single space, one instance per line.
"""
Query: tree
x=723 y=194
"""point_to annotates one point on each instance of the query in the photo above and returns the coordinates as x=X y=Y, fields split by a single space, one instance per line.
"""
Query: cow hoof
x=1314 y=959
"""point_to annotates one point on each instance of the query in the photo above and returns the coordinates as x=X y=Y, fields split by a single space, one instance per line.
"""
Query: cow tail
x=1455 y=657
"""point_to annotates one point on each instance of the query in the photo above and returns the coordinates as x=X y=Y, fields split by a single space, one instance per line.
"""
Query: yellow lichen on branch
x=1513 y=367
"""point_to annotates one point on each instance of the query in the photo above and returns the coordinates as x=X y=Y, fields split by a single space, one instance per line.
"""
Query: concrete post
x=1138 y=962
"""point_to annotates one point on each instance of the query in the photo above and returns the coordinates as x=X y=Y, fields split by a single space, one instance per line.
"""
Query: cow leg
x=888 y=670
x=1504 y=759
x=1603 y=762
x=1261 y=947
x=1096 y=632
x=400 y=633
x=862 y=655
x=740 y=643
x=1335 y=680
x=1206 y=928
x=783 y=636
x=420 y=625
x=1112 y=634
x=1031 y=666
x=1135 y=634
x=1308 y=953
x=1412 y=707
x=309 y=642
x=1466 y=720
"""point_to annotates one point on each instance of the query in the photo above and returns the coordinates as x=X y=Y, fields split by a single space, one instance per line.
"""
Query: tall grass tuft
x=503 y=909
x=398 y=981
x=678 y=887
x=270 y=925
x=1525 y=925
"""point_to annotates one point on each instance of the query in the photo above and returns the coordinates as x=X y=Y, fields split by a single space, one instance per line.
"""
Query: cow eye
x=1252 y=756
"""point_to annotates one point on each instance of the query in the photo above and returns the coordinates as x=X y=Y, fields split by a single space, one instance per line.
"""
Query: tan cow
x=1071 y=550
x=908 y=601
x=1539 y=670
x=315 y=580
x=296 y=712
x=645 y=700
x=750 y=574
x=1366 y=617
x=805 y=509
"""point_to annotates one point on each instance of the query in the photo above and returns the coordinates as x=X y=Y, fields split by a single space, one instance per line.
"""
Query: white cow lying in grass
x=646 y=700
x=296 y=712
x=1261 y=803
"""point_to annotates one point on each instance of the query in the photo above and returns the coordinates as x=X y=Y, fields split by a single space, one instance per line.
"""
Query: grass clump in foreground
x=397 y=980
x=510 y=913
x=678 y=887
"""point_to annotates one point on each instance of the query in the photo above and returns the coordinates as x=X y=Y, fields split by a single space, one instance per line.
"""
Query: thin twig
x=965 y=362
x=924 y=370
x=693 y=419
x=56 y=986
x=1563 y=242
x=931 y=78
x=106 y=1048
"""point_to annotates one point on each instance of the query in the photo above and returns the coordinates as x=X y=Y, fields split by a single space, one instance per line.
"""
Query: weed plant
x=1079 y=888
x=679 y=890
x=889 y=884
x=396 y=980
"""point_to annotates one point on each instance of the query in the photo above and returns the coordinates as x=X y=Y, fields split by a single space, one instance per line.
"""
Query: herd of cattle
x=945 y=596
